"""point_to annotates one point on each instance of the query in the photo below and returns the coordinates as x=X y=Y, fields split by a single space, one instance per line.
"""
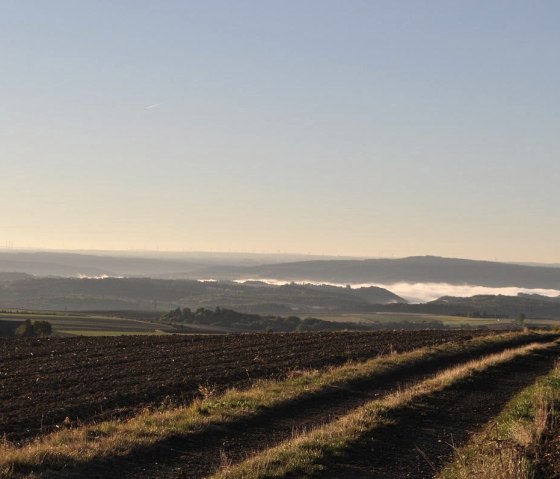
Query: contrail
x=149 y=107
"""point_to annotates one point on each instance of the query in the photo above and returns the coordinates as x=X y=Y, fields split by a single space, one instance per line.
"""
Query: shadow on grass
x=201 y=453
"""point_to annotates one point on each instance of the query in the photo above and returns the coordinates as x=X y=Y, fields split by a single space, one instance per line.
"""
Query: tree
x=42 y=328
x=32 y=329
x=25 y=330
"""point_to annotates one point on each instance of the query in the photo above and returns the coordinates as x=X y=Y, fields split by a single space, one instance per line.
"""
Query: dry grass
x=503 y=450
x=301 y=456
x=112 y=438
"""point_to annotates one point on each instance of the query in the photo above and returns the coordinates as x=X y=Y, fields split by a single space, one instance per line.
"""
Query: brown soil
x=423 y=436
x=199 y=454
x=45 y=381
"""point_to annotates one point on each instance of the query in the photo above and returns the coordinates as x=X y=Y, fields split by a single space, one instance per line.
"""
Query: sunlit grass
x=503 y=449
x=302 y=455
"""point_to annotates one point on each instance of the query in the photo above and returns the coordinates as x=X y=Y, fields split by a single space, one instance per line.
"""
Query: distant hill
x=420 y=269
x=153 y=294
x=162 y=265
x=8 y=276
x=75 y=265
x=417 y=269
x=499 y=306
x=533 y=306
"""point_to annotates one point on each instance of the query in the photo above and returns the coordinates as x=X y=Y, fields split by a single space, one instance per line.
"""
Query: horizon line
x=31 y=249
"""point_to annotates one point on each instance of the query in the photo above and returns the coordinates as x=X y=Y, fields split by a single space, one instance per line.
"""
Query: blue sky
x=341 y=127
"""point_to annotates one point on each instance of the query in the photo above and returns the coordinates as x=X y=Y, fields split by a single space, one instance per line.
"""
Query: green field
x=452 y=321
x=99 y=324
x=89 y=324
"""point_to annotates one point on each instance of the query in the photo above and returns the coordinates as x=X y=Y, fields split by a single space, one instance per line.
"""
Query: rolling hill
x=156 y=294
x=419 y=269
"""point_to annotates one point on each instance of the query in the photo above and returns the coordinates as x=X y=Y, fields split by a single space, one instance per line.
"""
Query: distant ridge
x=151 y=264
x=10 y=276
x=415 y=269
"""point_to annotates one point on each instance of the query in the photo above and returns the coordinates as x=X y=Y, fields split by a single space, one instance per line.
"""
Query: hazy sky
x=348 y=127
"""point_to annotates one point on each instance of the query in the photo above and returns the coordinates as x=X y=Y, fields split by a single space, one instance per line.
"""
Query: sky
x=339 y=127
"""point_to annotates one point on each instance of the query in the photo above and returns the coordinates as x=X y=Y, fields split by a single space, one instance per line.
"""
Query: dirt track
x=200 y=454
x=44 y=381
x=423 y=436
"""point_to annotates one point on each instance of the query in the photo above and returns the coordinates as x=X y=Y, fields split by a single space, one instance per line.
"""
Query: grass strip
x=87 y=443
x=302 y=455
x=506 y=446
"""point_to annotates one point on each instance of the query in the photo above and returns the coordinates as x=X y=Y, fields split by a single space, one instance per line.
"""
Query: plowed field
x=45 y=381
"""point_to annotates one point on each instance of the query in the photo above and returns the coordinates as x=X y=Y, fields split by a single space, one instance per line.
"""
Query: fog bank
x=424 y=292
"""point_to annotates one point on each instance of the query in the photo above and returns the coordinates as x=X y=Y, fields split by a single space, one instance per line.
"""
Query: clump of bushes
x=33 y=329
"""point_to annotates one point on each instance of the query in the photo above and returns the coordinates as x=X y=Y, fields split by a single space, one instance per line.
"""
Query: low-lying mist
x=424 y=292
